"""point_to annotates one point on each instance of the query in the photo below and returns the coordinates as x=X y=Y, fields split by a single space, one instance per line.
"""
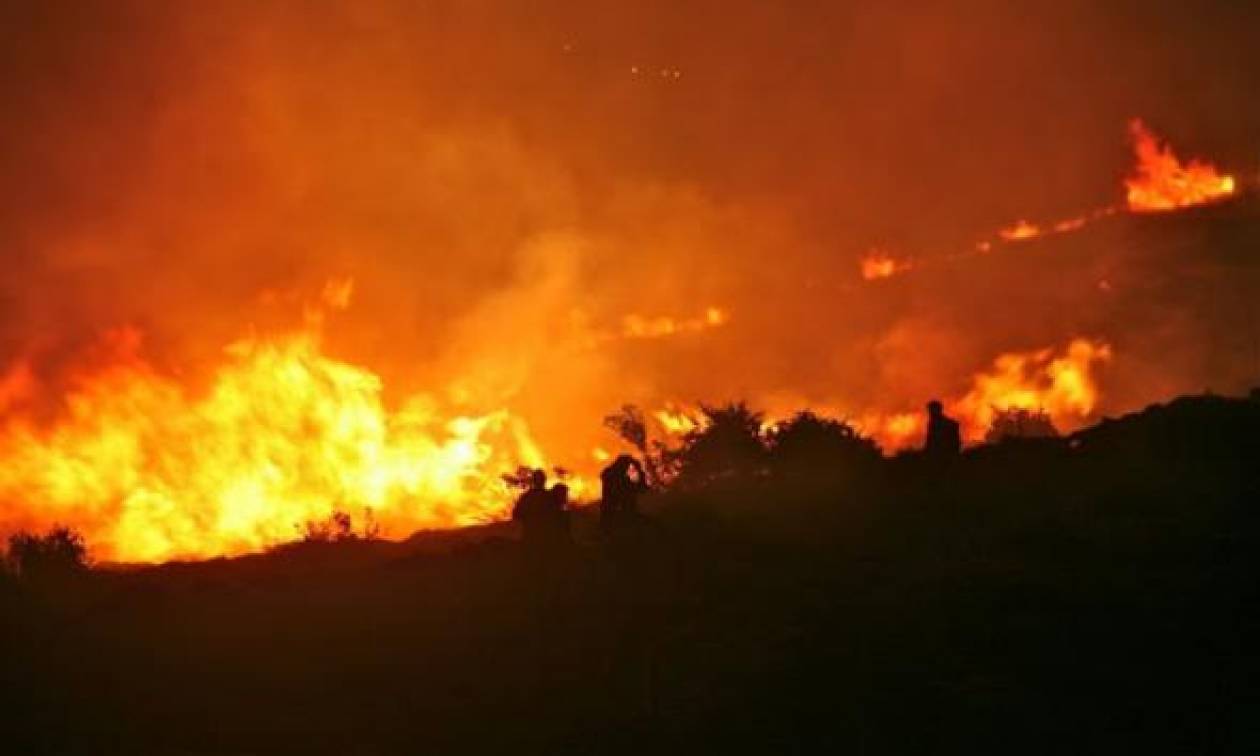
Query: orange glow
x=1021 y=230
x=283 y=436
x=16 y=384
x=1162 y=182
x=879 y=264
x=902 y=430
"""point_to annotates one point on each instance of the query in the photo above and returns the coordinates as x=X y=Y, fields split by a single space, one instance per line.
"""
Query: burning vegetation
x=526 y=269
x=149 y=469
x=1162 y=182
x=283 y=436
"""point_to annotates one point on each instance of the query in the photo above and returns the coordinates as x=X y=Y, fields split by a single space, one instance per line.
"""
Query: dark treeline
x=787 y=589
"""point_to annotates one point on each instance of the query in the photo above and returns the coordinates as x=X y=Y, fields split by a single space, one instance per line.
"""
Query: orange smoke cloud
x=1163 y=182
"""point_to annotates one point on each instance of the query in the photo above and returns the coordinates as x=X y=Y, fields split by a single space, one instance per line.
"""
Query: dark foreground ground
x=1092 y=596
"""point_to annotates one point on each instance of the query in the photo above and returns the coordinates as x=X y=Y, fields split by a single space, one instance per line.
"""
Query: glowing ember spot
x=1063 y=385
x=879 y=264
x=1071 y=224
x=1021 y=230
x=283 y=436
x=1162 y=182
x=640 y=327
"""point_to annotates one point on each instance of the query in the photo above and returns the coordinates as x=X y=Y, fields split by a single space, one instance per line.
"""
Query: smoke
x=506 y=183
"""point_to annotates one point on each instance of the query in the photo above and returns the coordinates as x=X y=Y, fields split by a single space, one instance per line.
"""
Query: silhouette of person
x=621 y=483
x=531 y=509
x=556 y=517
x=943 y=437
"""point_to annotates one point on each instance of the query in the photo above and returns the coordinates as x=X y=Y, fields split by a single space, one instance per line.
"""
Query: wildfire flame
x=284 y=436
x=678 y=421
x=1021 y=230
x=640 y=327
x=879 y=264
x=1163 y=183
x=1062 y=385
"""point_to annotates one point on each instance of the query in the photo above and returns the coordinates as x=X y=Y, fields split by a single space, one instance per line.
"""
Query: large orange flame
x=1163 y=182
x=284 y=436
x=1063 y=385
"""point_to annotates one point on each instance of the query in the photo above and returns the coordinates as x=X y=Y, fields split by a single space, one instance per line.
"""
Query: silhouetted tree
x=631 y=426
x=808 y=443
x=522 y=478
x=59 y=552
x=1017 y=422
x=729 y=444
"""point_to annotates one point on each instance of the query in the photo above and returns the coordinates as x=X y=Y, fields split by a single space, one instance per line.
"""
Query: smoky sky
x=486 y=170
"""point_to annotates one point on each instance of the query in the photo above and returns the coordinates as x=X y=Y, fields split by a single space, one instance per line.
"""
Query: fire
x=1021 y=230
x=1162 y=182
x=1069 y=225
x=1062 y=384
x=879 y=264
x=677 y=421
x=636 y=326
x=902 y=430
x=284 y=435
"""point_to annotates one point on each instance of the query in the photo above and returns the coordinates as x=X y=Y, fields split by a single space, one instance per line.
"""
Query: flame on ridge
x=1162 y=182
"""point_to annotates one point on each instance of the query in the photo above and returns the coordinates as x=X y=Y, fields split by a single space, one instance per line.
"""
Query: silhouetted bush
x=1017 y=422
x=728 y=445
x=338 y=527
x=59 y=552
x=631 y=426
x=810 y=444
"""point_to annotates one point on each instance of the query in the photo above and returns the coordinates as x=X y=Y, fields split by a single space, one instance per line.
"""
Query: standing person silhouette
x=559 y=536
x=943 y=437
x=531 y=511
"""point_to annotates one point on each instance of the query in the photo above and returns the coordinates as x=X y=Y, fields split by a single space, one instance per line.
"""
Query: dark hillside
x=1096 y=593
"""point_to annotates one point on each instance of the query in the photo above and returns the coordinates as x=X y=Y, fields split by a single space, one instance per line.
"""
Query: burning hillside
x=282 y=435
x=552 y=212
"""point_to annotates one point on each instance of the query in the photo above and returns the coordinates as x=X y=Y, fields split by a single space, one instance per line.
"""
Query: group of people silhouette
x=543 y=512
